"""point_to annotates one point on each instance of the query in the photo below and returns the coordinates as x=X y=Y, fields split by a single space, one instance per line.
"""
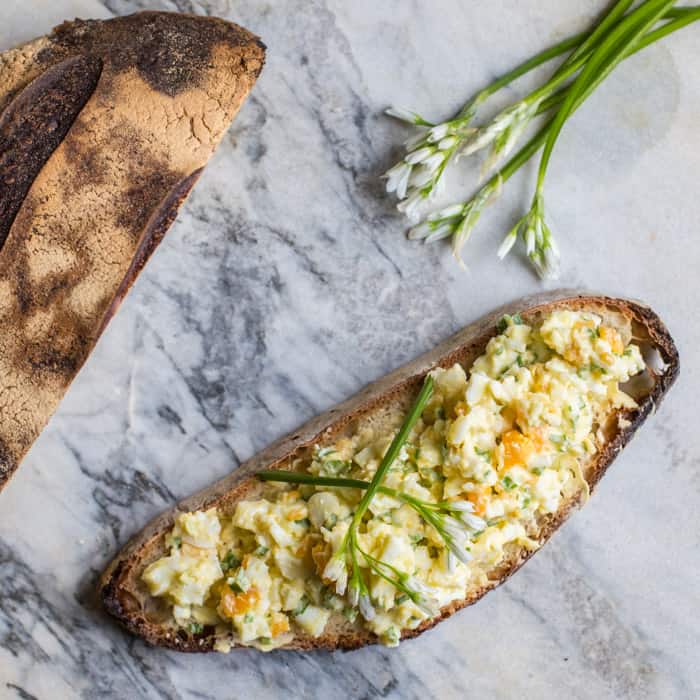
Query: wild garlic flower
x=540 y=245
x=454 y=521
x=501 y=133
x=420 y=594
x=354 y=592
x=418 y=175
x=336 y=571
x=457 y=536
x=456 y=221
x=366 y=608
x=464 y=511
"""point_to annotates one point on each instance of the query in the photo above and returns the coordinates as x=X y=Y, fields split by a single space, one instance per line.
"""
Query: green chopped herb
x=401 y=599
x=592 y=367
x=495 y=521
x=519 y=361
x=265 y=641
x=239 y=583
x=432 y=475
x=536 y=470
x=506 y=320
x=230 y=561
x=486 y=454
x=560 y=441
x=195 y=628
x=350 y=614
x=304 y=522
x=261 y=551
x=334 y=467
x=444 y=450
x=392 y=636
x=303 y=604
x=508 y=483
x=248 y=617
x=330 y=600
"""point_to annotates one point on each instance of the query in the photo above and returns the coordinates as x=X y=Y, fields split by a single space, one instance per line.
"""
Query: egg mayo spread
x=507 y=441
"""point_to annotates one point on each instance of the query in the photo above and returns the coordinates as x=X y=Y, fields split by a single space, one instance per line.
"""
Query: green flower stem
x=682 y=17
x=525 y=67
x=303 y=478
x=337 y=482
x=397 y=443
x=583 y=42
x=599 y=32
x=612 y=49
x=371 y=487
x=423 y=508
x=627 y=29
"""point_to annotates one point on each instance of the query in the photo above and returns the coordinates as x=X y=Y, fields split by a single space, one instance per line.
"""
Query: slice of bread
x=104 y=128
x=126 y=597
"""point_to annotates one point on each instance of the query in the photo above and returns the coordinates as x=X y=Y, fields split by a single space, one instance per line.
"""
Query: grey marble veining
x=287 y=284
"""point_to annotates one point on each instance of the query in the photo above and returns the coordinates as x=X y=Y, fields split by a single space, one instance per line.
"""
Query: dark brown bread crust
x=104 y=129
x=120 y=588
x=35 y=123
x=172 y=53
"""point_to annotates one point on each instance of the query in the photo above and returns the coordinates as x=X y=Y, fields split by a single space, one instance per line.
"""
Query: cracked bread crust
x=104 y=129
x=125 y=596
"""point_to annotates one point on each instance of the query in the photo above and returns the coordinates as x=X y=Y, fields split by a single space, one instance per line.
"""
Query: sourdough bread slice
x=125 y=596
x=104 y=128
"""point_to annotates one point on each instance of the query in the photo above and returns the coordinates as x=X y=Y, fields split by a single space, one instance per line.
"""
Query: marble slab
x=287 y=284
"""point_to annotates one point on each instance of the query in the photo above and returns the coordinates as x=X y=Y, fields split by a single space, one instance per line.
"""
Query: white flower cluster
x=418 y=175
x=457 y=220
x=540 y=245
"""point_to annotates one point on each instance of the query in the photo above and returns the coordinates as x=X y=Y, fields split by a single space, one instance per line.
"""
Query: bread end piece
x=104 y=128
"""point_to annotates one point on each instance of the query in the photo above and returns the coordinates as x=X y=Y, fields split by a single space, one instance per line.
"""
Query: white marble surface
x=286 y=285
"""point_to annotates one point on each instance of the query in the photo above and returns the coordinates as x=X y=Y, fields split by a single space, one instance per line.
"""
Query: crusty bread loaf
x=126 y=597
x=104 y=128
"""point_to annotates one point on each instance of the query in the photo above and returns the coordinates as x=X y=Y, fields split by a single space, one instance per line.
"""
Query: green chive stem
x=396 y=444
x=612 y=49
x=683 y=17
x=600 y=31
